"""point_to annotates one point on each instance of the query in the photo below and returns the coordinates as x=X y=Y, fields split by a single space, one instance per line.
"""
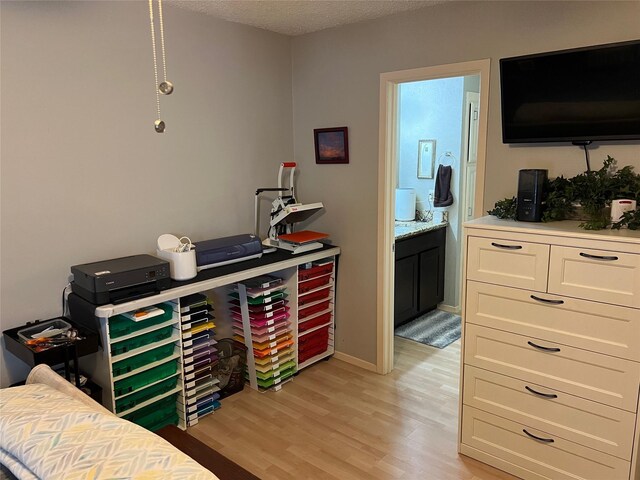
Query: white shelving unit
x=315 y=311
x=199 y=357
x=270 y=353
x=190 y=388
x=138 y=371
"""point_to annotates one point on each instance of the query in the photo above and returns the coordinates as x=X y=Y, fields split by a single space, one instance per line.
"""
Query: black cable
x=64 y=303
x=583 y=144
x=586 y=155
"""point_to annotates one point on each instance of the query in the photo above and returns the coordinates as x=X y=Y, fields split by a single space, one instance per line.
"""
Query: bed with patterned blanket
x=50 y=432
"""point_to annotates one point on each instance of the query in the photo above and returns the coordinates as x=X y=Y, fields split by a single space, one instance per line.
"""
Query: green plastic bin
x=171 y=420
x=156 y=415
x=119 y=325
x=140 y=380
x=143 y=395
x=141 y=340
x=139 y=361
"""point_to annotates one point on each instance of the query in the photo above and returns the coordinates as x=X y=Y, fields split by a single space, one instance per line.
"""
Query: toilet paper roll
x=405 y=204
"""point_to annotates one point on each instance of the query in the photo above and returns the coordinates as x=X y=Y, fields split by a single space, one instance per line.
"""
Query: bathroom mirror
x=426 y=158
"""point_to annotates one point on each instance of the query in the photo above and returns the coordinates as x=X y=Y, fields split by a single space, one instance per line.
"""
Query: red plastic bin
x=314 y=297
x=314 y=322
x=320 y=307
x=313 y=346
x=307 y=354
x=316 y=271
x=320 y=335
x=304 y=287
x=319 y=344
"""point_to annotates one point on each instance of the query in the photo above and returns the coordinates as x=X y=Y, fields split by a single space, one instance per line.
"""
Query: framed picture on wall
x=426 y=158
x=332 y=145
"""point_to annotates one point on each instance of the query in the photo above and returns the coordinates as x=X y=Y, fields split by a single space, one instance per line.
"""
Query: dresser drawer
x=557 y=460
x=601 y=378
x=603 y=276
x=600 y=327
x=505 y=262
x=607 y=429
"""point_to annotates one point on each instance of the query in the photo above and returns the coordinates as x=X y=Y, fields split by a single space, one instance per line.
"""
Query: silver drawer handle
x=546 y=300
x=598 y=257
x=508 y=247
x=546 y=349
x=545 y=395
x=540 y=439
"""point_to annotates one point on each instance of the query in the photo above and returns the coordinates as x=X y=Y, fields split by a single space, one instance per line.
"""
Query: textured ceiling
x=296 y=17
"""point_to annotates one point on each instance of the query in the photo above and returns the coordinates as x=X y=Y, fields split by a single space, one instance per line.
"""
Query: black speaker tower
x=530 y=192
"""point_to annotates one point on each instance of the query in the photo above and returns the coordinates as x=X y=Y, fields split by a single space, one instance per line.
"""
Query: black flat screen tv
x=579 y=95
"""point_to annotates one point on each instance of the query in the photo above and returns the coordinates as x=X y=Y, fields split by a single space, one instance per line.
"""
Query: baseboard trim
x=449 y=309
x=355 y=361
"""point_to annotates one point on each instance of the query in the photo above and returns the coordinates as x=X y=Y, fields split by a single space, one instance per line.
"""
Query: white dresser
x=551 y=350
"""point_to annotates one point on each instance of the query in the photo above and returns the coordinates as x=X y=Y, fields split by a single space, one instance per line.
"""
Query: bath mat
x=435 y=328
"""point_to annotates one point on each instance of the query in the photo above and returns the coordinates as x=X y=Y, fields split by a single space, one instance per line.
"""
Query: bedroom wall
x=336 y=81
x=84 y=175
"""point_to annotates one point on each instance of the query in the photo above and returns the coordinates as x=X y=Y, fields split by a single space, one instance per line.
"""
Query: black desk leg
x=76 y=367
x=67 y=372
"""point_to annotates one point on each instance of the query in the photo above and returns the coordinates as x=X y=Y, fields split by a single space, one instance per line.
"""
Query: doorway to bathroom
x=432 y=144
x=436 y=147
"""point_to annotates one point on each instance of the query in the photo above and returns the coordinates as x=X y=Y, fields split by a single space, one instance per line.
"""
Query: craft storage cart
x=260 y=311
x=140 y=367
x=315 y=306
x=286 y=321
x=158 y=370
x=199 y=357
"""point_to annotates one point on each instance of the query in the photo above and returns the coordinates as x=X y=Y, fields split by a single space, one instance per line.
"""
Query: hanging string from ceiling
x=165 y=87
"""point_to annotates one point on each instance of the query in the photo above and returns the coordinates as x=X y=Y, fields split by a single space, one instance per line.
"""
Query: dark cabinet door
x=406 y=289
x=430 y=286
x=419 y=285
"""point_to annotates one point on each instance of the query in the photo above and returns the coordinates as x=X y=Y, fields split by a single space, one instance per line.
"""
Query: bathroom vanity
x=419 y=268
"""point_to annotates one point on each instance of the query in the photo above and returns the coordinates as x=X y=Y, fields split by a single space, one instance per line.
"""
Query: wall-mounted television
x=579 y=95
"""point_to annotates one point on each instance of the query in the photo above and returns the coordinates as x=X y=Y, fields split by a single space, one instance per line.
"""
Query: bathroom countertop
x=409 y=229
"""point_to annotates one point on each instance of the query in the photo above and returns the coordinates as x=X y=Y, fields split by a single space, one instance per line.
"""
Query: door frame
x=470 y=99
x=387 y=180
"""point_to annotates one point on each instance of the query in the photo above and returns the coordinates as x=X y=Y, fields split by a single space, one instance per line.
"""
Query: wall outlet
x=431 y=193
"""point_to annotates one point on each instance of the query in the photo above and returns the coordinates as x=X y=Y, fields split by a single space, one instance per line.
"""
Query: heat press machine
x=285 y=212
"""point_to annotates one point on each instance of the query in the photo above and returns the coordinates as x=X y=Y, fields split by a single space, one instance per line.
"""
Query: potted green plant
x=631 y=220
x=559 y=204
x=505 y=209
x=591 y=192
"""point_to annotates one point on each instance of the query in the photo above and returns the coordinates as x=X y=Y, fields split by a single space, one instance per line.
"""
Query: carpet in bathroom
x=435 y=328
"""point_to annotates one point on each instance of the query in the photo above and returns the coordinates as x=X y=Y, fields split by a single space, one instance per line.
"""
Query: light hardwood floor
x=337 y=421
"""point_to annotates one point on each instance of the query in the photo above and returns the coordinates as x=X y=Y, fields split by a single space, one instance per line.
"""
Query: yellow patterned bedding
x=45 y=434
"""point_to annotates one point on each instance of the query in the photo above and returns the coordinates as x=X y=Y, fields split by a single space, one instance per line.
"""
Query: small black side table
x=61 y=354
